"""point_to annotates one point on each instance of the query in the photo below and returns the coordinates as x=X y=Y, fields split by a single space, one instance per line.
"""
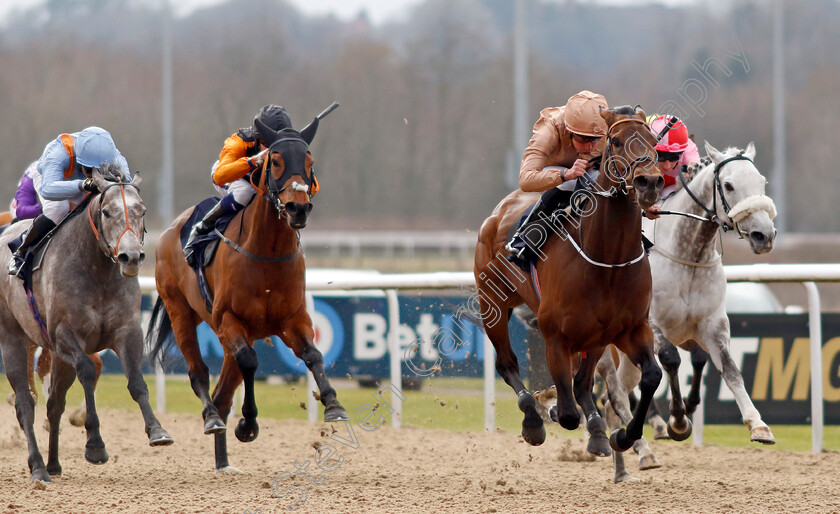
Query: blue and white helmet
x=94 y=146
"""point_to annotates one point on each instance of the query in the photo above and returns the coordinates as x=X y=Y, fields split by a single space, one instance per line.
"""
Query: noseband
x=110 y=251
x=609 y=160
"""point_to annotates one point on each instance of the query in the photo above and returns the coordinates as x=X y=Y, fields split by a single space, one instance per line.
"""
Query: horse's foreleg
x=14 y=361
x=584 y=380
x=722 y=359
x=232 y=336
x=297 y=333
x=560 y=366
x=77 y=417
x=639 y=348
x=618 y=383
x=129 y=347
x=679 y=426
x=62 y=377
x=698 y=362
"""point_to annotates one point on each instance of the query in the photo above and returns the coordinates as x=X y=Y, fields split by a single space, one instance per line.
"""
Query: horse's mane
x=112 y=172
x=624 y=109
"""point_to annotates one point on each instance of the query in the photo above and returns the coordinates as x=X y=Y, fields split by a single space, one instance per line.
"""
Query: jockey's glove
x=90 y=185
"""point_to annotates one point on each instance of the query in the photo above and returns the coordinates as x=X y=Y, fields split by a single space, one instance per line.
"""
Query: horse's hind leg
x=584 y=380
x=718 y=351
x=129 y=347
x=679 y=426
x=62 y=376
x=507 y=365
x=184 y=325
x=229 y=379
x=14 y=351
x=298 y=335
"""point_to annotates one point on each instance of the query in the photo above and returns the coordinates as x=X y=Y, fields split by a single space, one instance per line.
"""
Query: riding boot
x=208 y=223
x=40 y=227
x=547 y=203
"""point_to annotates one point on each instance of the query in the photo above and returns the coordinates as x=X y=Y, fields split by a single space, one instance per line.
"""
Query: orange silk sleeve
x=233 y=161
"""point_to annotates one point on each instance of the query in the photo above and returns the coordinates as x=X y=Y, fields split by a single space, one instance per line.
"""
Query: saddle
x=206 y=245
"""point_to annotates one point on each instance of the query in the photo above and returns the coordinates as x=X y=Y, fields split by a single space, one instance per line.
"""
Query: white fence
x=806 y=274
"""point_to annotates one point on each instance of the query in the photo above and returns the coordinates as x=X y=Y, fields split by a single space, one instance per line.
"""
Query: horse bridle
x=272 y=195
x=717 y=189
x=113 y=251
x=609 y=161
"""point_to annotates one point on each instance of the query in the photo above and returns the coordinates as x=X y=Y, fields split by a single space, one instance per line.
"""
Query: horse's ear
x=750 y=151
x=640 y=113
x=607 y=115
x=137 y=180
x=713 y=152
x=308 y=132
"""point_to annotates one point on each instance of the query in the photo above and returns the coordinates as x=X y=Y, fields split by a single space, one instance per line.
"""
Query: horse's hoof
x=660 y=431
x=214 y=425
x=54 y=470
x=96 y=455
x=534 y=436
x=335 y=413
x=159 y=437
x=227 y=470
x=40 y=475
x=649 y=462
x=762 y=435
x=598 y=446
x=625 y=478
x=246 y=432
x=619 y=442
x=677 y=434
x=77 y=418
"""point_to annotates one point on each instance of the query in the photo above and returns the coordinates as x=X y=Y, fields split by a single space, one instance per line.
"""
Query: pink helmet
x=676 y=140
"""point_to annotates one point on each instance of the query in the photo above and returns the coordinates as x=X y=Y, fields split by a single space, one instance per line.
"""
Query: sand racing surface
x=407 y=470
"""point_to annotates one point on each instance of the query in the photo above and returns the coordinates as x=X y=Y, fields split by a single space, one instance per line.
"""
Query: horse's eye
x=616 y=141
x=728 y=186
x=106 y=213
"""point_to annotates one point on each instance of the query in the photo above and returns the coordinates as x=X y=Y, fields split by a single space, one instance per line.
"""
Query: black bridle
x=294 y=161
x=717 y=189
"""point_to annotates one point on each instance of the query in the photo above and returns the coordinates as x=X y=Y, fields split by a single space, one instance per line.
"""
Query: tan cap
x=582 y=115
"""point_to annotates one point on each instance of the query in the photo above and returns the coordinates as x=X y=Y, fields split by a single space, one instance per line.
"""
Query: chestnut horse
x=258 y=281
x=591 y=286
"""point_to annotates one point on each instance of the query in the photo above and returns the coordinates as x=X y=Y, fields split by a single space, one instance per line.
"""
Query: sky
x=379 y=11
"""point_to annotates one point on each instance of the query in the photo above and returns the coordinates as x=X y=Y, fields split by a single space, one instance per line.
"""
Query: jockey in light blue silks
x=64 y=176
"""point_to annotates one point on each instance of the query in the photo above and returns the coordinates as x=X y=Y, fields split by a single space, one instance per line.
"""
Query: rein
x=112 y=252
x=616 y=191
x=246 y=253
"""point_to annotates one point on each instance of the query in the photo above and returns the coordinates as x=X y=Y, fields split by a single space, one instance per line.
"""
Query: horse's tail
x=159 y=335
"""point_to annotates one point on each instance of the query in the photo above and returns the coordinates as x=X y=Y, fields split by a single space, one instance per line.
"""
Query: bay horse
x=590 y=287
x=89 y=299
x=258 y=284
x=688 y=307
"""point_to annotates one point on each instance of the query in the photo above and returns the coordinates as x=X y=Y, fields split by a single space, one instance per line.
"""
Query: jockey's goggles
x=668 y=156
x=585 y=139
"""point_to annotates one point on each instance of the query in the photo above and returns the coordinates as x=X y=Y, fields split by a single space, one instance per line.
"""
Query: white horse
x=689 y=286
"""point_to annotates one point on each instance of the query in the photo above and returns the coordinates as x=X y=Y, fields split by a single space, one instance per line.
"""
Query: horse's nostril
x=122 y=258
x=142 y=257
x=291 y=207
x=308 y=207
x=660 y=183
x=758 y=237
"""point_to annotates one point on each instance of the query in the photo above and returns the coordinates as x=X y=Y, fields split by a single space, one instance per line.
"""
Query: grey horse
x=89 y=299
